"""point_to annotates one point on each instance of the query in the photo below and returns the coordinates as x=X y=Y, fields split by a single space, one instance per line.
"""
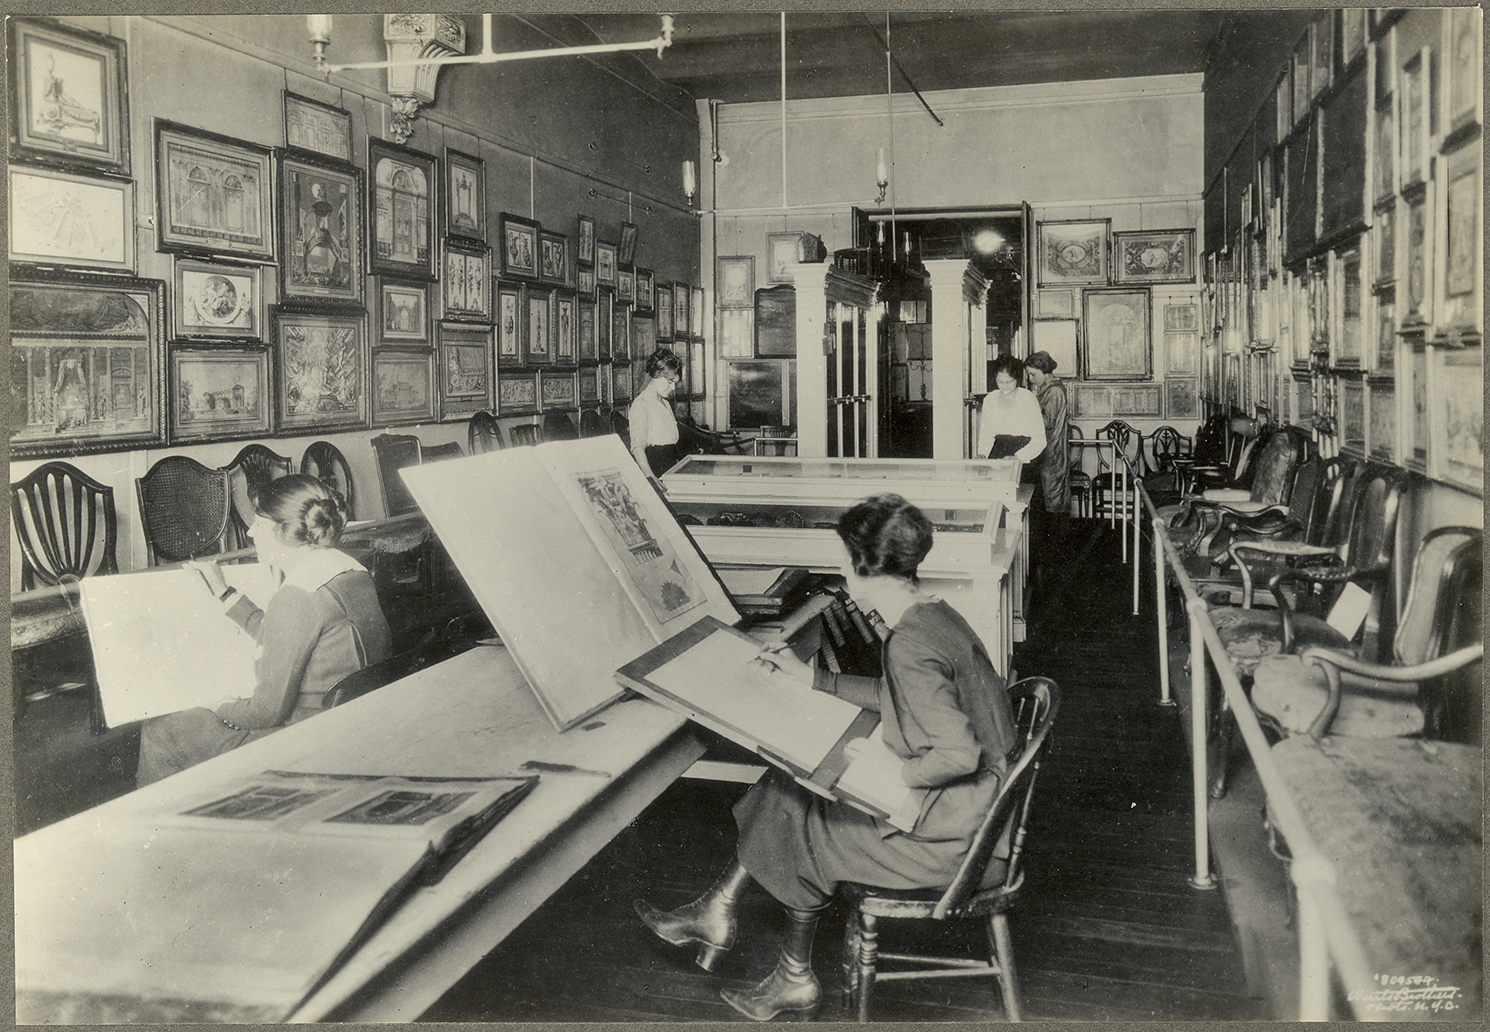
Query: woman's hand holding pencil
x=779 y=656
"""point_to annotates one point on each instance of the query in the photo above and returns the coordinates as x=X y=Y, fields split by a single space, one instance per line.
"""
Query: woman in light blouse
x=1010 y=422
x=654 y=427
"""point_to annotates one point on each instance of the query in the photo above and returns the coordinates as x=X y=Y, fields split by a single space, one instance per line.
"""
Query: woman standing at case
x=654 y=427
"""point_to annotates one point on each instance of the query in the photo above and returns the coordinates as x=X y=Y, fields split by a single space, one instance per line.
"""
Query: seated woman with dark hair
x=944 y=714
x=322 y=624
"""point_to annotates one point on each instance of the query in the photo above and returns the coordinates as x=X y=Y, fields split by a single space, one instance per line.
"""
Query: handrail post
x=1160 y=594
x=1137 y=552
x=1198 y=704
x=1314 y=950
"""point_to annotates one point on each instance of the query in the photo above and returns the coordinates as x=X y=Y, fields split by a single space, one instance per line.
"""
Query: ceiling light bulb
x=988 y=241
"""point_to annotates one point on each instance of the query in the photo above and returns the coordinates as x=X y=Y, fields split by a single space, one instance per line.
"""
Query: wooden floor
x=1107 y=929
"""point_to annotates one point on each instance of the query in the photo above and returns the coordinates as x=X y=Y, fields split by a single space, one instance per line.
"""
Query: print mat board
x=632 y=576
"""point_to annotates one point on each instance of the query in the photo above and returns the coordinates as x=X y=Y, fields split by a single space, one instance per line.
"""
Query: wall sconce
x=881 y=174
x=319 y=27
x=690 y=181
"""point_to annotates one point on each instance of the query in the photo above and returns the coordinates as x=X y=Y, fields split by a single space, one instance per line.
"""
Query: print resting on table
x=649 y=560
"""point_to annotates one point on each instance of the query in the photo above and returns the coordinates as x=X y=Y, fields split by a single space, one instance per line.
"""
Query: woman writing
x=1010 y=422
x=947 y=720
x=654 y=428
x=322 y=624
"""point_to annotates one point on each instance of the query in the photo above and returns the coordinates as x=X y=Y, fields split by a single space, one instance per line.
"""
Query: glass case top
x=986 y=470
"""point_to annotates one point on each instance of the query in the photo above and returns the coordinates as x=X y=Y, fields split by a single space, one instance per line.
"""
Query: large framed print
x=217 y=300
x=1414 y=95
x=587 y=342
x=1072 y=252
x=313 y=126
x=465 y=371
x=510 y=316
x=1381 y=437
x=403 y=387
x=626 y=285
x=1115 y=344
x=1417 y=256
x=585 y=253
x=466 y=280
x=1155 y=256
x=556 y=390
x=517 y=394
x=1458 y=260
x=644 y=297
x=99 y=231
x=553 y=266
x=681 y=299
x=68 y=95
x=214 y=194
x=537 y=345
x=1463 y=87
x=87 y=364
x=1458 y=418
x=465 y=195
x=664 y=310
x=519 y=246
x=403 y=194
x=321 y=229
x=403 y=312
x=605 y=263
x=322 y=369
x=218 y=393
x=566 y=326
x=735 y=274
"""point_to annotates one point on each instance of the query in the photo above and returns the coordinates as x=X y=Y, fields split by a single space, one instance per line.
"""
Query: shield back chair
x=1079 y=480
x=483 y=434
x=250 y=470
x=186 y=510
x=1208 y=455
x=1105 y=485
x=524 y=434
x=438 y=452
x=393 y=452
x=984 y=888
x=1165 y=481
x=65 y=523
x=324 y=461
x=1331 y=691
x=592 y=424
x=557 y=426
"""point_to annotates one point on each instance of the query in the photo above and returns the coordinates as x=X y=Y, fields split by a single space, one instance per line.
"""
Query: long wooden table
x=472 y=715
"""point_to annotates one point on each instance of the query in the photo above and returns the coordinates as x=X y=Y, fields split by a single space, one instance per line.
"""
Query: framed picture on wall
x=465 y=195
x=1413 y=409
x=313 y=126
x=586 y=323
x=1381 y=438
x=1072 y=252
x=643 y=335
x=1417 y=254
x=620 y=382
x=626 y=285
x=218 y=393
x=403 y=387
x=736 y=332
x=403 y=189
x=464 y=374
x=520 y=248
x=1283 y=109
x=403 y=312
x=1182 y=354
x=620 y=335
x=69 y=95
x=644 y=295
x=605 y=263
x=626 y=249
x=1414 y=99
x=1384 y=246
x=1463 y=87
x=696 y=312
x=537 y=343
x=586 y=274
x=566 y=326
x=466 y=280
x=556 y=390
x=1162 y=256
x=1181 y=399
x=735 y=274
x=1055 y=304
x=1458 y=418
x=517 y=393
x=664 y=309
x=1352 y=35
x=510 y=317
x=1353 y=416
x=213 y=300
x=1299 y=66
x=321 y=369
x=1057 y=338
x=605 y=304
x=102 y=210
x=554 y=258
x=214 y=194
x=589 y=384
x=1459 y=259
x=1115 y=341
x=585 y=250
x=321 y=229
x=1322 y=63
x=782 y=250
x=682 y=297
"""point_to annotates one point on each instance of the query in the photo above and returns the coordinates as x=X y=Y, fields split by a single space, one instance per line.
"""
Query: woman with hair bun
x=322 y=624
x=654 y=427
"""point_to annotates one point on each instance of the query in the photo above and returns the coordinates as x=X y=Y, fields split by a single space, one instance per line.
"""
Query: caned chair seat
x=1252 y=635
x=1292 y=694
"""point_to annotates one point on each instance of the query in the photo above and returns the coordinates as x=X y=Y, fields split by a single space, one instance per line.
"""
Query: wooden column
x=958 y=350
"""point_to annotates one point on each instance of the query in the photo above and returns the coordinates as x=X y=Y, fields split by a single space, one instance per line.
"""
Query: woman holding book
x=1009 y=422
x=322 y=624
x=946 y=722
x=654 y=427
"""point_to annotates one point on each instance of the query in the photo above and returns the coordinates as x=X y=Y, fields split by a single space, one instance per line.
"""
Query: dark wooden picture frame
x=403 y=190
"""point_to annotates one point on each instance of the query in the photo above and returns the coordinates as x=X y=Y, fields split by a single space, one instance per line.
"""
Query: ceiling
x=736 y=58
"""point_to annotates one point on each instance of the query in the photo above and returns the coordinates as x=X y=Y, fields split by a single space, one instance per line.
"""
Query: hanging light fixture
x=881 y=174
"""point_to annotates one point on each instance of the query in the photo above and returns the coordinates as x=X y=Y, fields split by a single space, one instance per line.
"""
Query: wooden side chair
x=186 y=510
x=558 y=426
x=393 y=452
x=592 y=424
x=1129 y=443
x=1167 y=447
x=483 y=434
x=1079 y=480
x=324 y=461
x=438 y=452
x=985 y=886
x=65 y=523
x=620 y=426
x=252 y=468
x=525 y=434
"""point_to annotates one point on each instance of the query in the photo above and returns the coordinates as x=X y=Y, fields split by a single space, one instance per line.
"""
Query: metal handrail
x=1326 y=934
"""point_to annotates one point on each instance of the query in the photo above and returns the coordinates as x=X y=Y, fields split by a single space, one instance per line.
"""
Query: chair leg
x=1220 y=767
x=869 y=935
x=849 y=959
x=1003 y=952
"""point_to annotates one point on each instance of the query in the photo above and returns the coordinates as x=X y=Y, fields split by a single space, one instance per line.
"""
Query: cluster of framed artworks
x=1352 y=287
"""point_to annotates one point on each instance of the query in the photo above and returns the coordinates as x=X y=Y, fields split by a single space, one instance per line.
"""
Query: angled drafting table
x=470 y=715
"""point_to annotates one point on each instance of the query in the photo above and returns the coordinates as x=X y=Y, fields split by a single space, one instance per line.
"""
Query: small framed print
x=1182 y=354
x=217 y=301
x=1163 y=256
x=626 y=249
x=321 y=369
x=696 y=365
x=585 y=253
x=1283 y=106
x=643 y=335
x=1115 y=342
x=218 y=393
x=214 y=194
x=626 y=285
x=681 y=299
x=553 y=262
x=321 y=229
x=1384 y=153
x=604 y=307
x=1349 y=338
x=1413 y=91
x=403 y=189
x=1381 y=437
x=1184 y=318
x=782 y=250
x=1413 y=409
x=1459 y=252
x=1352 y=35
x=589 y=384
x=1353 y=416
x=537 y=344
x=520 y=247
x=1415 y=296
x=664 y=310
x=403 y=387
x=621 y=382
x=696 y=313
x=586 y=280
x=403 y=312
x=465 y=371
x=465 y=280
x=510 y=316
x=605 y=263
x=1457 y=418
x=587 y=342
x=1072 y=252
x=1056 y=304
x=69 y=98
x=735 y=275
x=566 y=327
x=465 y=195
x=1386 y=334
x=620 y=337
x=1299 y=66
x=1181 y=399
x=517 y=394
x=313 y=126
x=1322 y=63
x=644 y=281
x=101 y=212
x=1463 y=87
x=556 y=390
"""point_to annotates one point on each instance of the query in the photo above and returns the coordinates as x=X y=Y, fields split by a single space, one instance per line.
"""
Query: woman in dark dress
x=944 y=714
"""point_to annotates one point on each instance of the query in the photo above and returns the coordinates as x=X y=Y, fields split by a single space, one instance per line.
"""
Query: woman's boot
x=792 y=986
x=708 y=920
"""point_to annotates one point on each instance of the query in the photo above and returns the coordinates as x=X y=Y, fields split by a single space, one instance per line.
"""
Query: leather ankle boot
x=792 y=986
x=708 y=920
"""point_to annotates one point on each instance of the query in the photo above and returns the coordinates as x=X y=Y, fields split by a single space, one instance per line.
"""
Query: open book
x=710 y=673
x=161 y=643
x=254 y=930
x=574 y=557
